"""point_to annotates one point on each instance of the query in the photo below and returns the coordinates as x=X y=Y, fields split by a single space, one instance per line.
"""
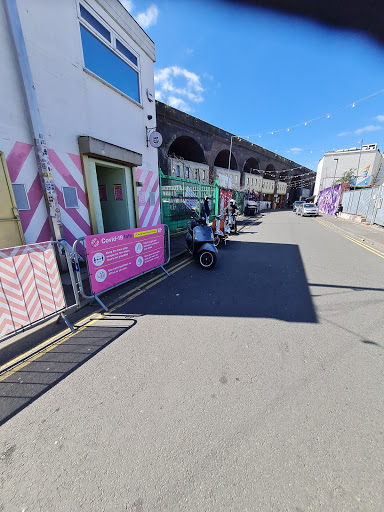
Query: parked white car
x=308 y=209
x=296 y=205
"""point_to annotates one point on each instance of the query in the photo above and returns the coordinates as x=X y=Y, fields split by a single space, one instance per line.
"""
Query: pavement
x=369 y=233
x=177 y=249
x=254 y=386
x=28 y=341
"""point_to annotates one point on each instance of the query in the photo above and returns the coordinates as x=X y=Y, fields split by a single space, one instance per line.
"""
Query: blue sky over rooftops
x=252 y=72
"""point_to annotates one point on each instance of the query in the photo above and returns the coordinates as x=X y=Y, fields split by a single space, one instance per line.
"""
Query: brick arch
x=270 y=172
x=187 y=148
x=222 y=158
x=252 y=166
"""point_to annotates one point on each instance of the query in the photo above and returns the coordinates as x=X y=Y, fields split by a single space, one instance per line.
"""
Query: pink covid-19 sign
x=118 y=256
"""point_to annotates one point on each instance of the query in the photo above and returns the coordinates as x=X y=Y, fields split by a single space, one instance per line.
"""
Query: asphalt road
x=257 y=386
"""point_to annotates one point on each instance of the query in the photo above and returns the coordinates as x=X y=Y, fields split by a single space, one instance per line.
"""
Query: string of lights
x=323 y=116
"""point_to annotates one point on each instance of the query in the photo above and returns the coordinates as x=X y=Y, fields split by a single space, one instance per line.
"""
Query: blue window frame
x=102 y=61
x=124 y=50
x=87 y=16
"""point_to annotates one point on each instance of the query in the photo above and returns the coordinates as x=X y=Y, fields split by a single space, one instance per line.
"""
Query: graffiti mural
x=225 y=196
x=329 y=199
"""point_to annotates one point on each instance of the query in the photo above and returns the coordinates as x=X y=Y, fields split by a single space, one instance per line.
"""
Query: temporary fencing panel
x=30 y=286
x=379 y=206
x=370 y=205
x=116 y=258
x=366 y=203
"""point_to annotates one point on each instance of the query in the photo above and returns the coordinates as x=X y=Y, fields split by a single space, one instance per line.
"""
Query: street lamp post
x=229 y=159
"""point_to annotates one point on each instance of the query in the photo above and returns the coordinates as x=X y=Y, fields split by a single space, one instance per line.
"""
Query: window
x=196 y=174
x=187 y=172
x=203 y=174
x=178 y=171
x=21 y=197
x=70 y=197
x=106 y=56
x=124 y=50
x=87 y=16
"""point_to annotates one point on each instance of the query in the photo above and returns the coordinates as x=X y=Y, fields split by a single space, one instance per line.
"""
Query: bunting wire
x=323 y=116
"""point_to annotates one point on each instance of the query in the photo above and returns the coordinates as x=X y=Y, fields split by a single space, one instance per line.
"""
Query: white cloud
x=178 y=103
x=369 y=128
x=178 y=86
x=296 y=150
x=146 y=18
x=149 y=17
x=127 y=4
x=379 y=118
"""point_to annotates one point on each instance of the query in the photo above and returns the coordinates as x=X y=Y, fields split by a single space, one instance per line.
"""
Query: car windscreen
x=309 y=206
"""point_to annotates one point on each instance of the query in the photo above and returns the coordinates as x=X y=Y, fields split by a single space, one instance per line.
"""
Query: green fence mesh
x=180 y=197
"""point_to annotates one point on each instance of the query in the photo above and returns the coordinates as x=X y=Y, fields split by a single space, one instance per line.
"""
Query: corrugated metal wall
x=368 y=203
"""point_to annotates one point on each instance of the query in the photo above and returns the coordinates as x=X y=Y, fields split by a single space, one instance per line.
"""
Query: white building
x=92 y=70
x=228 y=178
x=364 y=162
x=189 y=170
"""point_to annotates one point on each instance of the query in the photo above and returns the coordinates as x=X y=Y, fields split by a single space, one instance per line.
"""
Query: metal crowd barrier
x=31 y=290
x=95 y=296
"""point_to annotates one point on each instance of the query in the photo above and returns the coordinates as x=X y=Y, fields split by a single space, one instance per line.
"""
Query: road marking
x=31 y=355
x=82 y=321
x=374 y=251
x=49 y=344
x=348 y=237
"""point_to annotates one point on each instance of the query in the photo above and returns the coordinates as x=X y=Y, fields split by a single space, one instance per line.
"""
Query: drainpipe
x=41 y=152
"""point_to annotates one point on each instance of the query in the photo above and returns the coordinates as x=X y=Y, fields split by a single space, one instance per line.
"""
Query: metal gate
x=180 y=197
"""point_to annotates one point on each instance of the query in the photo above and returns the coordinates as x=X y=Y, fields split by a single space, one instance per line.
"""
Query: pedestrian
x=205 y=210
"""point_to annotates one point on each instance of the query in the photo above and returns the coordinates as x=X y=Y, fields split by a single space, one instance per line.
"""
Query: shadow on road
x=250 y=279
x=60 y=360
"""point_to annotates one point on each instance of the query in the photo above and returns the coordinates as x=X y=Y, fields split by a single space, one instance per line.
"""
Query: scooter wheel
x=216 y=240
x=207 y=260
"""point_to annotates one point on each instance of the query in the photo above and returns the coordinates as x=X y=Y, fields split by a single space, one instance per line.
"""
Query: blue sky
x=251 y=71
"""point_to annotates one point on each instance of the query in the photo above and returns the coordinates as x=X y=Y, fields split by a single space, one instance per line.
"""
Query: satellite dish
x=155 y=139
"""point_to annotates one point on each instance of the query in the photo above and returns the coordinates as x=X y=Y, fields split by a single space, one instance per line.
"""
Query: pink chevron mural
x=67 y=172
x=149 y=215
x=30 y=286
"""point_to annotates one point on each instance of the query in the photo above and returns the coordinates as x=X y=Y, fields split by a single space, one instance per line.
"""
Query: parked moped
x=199 y=240
x=220 y=230
x=231 y=220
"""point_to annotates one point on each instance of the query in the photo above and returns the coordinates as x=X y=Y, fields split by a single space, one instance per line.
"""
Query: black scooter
x=199 y=240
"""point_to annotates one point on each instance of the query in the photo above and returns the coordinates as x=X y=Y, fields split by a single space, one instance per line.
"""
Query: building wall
x=72 y=103
x=252 y=182
x=188 y=170
x=229 y=178
x=347 y=160
x=211 y=140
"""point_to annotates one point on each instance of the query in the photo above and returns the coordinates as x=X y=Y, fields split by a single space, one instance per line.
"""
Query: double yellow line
x=351 y=239
x=28 y=357
x=47 y=345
